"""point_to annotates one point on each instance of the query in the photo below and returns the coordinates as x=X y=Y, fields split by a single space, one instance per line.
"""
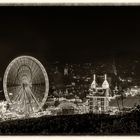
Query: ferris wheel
x=26 y=85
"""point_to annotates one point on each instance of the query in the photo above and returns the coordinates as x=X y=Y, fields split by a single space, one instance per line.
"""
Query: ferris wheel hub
x=26 y=82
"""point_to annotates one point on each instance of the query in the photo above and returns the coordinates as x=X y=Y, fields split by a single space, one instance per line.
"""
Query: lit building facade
x=99 y=97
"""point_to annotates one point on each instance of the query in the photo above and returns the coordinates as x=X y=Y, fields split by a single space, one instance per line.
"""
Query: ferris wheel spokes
x=14 y=98
x=28 y=90
x=29 y=98
x=26 y=103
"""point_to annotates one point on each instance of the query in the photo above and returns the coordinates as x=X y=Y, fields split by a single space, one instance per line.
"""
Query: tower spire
x=105 y=84
x=93 y=85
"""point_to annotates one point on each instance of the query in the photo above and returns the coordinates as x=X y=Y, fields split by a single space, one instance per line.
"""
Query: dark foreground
x=88 y=124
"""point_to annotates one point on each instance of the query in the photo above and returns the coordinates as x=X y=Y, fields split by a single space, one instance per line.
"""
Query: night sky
x=69 y=33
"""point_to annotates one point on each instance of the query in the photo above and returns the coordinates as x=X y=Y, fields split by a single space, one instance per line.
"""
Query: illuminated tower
x=99 y=97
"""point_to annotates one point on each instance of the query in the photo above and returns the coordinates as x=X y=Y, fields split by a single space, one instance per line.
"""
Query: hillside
x=88 y=124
